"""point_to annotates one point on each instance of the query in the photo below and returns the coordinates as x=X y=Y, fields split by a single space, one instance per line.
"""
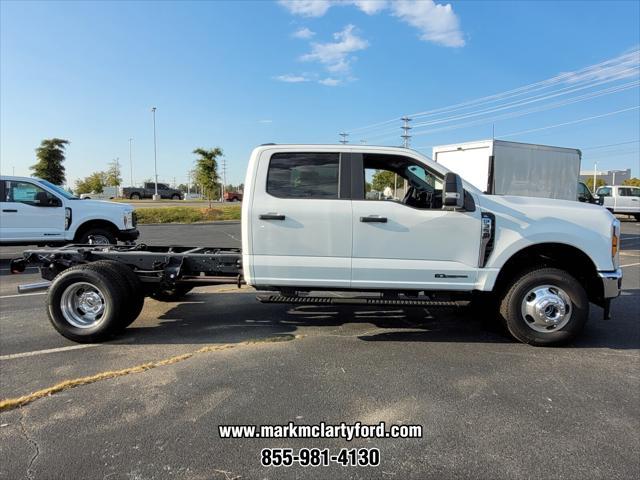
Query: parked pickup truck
x=149 y=190
x=620 y=199
x=232 y=196
x=309 y=228
x=36 y=212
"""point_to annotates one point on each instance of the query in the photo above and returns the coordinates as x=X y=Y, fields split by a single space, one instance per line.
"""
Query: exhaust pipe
x=33 y=287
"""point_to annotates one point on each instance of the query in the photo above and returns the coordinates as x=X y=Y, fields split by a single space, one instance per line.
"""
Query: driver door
x=397 y=246
x=30 y=213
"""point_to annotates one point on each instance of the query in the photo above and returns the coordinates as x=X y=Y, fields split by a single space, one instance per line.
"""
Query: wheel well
x=555 y=255
x=91 y=224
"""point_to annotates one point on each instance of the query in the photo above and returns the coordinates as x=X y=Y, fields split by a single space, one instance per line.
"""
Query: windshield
x=58 y=190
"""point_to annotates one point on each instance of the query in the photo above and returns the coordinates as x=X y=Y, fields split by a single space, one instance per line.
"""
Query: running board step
x=399 y=302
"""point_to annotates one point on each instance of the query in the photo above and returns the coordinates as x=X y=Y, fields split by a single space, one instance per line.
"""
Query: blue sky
x=237 y=74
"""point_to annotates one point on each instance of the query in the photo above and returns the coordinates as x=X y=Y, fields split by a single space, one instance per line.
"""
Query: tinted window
x=629 y=192
x=304 y=175
x=604 y=192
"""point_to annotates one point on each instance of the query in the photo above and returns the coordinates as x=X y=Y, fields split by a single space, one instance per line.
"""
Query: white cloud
x=306 y=8
x=291 y=78
x=437 y=23
x=336 y=56
x=370 y=7
x=303 y=33
x=330 y=82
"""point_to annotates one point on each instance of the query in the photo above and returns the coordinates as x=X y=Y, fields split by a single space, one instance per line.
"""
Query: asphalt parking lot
x=490 y=407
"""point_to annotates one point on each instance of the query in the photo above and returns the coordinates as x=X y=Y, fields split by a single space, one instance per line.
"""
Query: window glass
x=399 y=179
x=25 y=192
x=604 y=192
x=582 y=190
x=304 y=175
x=634 y=192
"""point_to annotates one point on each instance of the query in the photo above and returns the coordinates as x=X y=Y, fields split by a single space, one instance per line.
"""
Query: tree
x=383 y=179
x=113 y=177
x=634 y=182
x=206 y=171
x=182 y=187
x=599 y=183
x=50 y=155
x=93 y=183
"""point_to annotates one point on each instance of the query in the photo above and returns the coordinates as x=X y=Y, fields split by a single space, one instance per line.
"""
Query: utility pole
x=405 y=131
x=155 y=154
x=188 y=183
x=224 y=176
x=131 y=160
x=405 y=143
x=595 y=175
x=344 y=140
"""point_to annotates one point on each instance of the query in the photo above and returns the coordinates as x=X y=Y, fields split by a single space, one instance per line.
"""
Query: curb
x=215 y=222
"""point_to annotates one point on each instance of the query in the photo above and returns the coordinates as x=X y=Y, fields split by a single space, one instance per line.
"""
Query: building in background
x=610 y=177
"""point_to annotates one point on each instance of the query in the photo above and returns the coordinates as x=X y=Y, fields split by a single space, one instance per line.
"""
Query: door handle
x=373 y=219
x=271 y=216
x=9 y=211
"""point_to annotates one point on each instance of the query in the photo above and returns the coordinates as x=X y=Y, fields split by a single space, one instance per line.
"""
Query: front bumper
x=128 y=235
x=611 y=283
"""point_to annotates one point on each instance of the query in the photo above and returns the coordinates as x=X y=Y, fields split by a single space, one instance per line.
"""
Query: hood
x=102 y=204
x=535 y=208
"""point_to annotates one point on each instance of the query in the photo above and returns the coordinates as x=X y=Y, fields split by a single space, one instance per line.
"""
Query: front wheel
x=175 y=196
x=134 y=196
x=545 y=306
x=100 y=236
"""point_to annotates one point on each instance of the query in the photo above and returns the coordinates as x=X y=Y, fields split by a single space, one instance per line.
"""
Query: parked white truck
x=36 y=212
x=620 y=199
x=308 y=227
x=513 y=168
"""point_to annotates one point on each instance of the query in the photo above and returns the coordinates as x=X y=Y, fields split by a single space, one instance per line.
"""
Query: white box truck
x=511 y=168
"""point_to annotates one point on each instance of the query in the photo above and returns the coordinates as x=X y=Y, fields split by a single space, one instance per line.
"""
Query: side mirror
x=452 y=192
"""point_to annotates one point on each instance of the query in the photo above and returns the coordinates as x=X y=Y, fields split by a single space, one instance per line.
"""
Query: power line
x=608 y=114
x=541 y=108
x=610 y=70
x=610 y=145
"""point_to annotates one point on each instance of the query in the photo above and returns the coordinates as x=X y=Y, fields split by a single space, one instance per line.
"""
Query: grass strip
x=187 y=214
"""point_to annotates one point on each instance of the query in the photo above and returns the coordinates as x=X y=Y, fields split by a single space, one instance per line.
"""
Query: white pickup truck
x=308 y=227
x=623 y=199
x=36 y=212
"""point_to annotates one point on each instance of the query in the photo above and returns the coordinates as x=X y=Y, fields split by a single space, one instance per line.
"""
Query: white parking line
x=23 y=295
x=49 y=350
x=630 y=265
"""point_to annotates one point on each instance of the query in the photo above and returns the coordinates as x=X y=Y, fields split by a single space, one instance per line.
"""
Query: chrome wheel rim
x=546 y=308
x=100 y=240
x=83 y=305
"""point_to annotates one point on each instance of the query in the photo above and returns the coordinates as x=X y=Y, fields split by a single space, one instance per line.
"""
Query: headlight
x=128 y=220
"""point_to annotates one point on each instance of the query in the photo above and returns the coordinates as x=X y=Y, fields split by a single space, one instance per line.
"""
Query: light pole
x=131 y=159
x=595 y=175
x=155 y=154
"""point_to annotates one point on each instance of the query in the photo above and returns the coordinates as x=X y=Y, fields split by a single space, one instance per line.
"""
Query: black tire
x=134 y=196
x=170 y=294
x=523 y=329
x=134 y=301
x=175 y=196
x=112 y=292
x=102 y=235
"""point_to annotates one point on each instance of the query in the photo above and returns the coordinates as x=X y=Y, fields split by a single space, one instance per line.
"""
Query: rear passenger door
x=301 y=220
x=628 y=199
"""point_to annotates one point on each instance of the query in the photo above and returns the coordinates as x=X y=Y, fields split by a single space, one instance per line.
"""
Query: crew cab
x=620 y=199
x=36 y=212
x=149 y=189
x=309 y=227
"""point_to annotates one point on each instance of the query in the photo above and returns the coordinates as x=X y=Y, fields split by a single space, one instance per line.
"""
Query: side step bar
x=399 y=302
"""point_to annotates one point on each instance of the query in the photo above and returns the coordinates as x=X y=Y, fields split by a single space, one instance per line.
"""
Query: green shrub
x=187 y=214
